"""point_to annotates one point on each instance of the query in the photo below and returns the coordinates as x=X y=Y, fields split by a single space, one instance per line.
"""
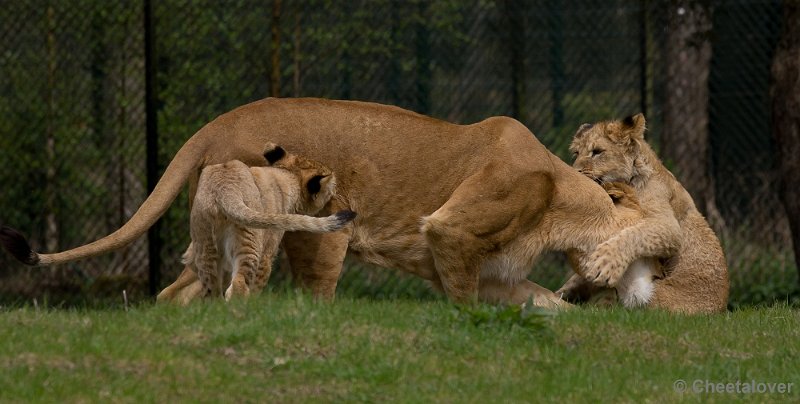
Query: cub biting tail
x=240 y=214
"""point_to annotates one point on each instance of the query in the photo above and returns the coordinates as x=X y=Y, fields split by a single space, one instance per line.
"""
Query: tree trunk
x=685 y=139
x=785 y=94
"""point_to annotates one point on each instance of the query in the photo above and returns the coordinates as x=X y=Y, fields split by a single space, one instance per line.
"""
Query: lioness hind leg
x=183 y=290
x=316 y=260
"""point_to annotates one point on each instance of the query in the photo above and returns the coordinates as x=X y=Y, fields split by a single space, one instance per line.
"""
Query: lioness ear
x=634 y=126
x=314 y=185
x=273 y=153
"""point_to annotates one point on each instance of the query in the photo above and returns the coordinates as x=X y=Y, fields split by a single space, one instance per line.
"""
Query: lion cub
x=695 y=272
x=635 y=288
x=240 y=213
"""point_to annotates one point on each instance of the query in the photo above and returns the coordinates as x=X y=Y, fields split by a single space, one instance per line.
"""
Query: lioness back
x=696 y=277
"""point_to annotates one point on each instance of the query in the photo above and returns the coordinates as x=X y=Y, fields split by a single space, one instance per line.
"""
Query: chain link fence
x=72 y=136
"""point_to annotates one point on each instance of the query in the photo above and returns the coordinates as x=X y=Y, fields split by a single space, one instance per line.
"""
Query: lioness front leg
x=497 y=291
x=185 y=289
x=485 y=212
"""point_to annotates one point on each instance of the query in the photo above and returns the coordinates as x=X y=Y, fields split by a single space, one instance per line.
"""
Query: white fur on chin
x=635 y=289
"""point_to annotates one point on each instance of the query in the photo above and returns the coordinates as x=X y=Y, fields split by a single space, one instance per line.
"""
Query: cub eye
x=596 y=152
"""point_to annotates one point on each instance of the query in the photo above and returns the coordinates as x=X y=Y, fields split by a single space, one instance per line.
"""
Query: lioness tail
x=16 y=244
x=186 y=161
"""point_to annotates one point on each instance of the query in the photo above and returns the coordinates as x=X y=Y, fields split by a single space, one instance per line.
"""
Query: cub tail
x=235 y=209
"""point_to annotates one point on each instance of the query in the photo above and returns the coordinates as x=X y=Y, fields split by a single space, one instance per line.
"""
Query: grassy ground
x=283 y=347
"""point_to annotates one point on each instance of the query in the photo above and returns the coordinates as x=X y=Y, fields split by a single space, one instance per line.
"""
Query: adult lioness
x=468 y=207
x=696 y=275
x=240 y=214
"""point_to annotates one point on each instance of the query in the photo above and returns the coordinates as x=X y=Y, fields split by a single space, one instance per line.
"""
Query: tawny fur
x=467 y=207
x=696 y=273
x=635 y=287
x=240 y=214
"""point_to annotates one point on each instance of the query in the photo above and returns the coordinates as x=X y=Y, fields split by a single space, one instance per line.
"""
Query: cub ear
x=634 y=126
x=582 y=130
x=273 y=153
x=315 y=184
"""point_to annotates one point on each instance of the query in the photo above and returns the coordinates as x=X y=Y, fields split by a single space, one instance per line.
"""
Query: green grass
x=283 y=347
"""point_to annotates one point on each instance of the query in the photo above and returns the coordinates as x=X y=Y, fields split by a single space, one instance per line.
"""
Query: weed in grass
x=528 y=318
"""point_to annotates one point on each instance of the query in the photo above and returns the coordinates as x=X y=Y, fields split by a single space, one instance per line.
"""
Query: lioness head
x=317 y=182
x=609 y=151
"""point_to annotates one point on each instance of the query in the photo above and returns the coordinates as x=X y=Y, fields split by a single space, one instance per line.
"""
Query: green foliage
x=527 y=318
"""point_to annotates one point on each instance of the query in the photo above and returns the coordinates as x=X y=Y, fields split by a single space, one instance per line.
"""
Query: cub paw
x=622 y=193
x=236 y=289
x=603 y=269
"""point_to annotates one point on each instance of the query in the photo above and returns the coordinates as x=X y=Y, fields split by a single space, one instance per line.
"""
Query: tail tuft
x=345 y=216
x=16 y=244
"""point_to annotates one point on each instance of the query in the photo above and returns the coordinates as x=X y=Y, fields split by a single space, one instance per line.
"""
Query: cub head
x=609 y=151
x=317 y=181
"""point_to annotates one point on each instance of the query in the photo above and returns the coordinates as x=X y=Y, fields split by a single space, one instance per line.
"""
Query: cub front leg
x=606 y=265
x=654 y=236
x=609 y=265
